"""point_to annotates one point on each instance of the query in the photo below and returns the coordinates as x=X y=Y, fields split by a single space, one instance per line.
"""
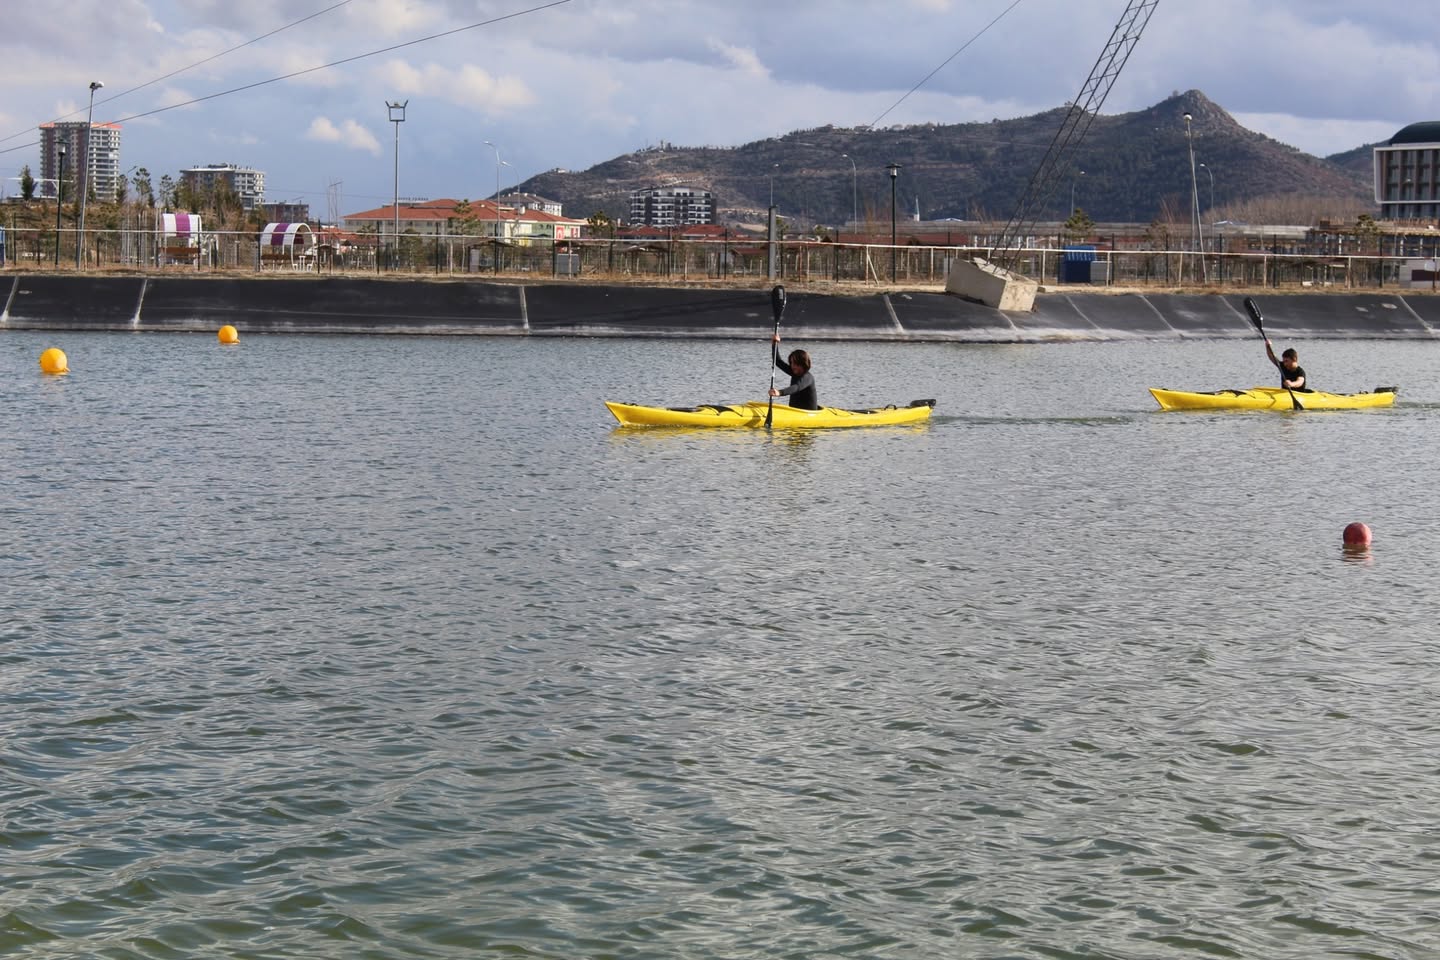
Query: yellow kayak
x=752 y=414
x=1271 y=398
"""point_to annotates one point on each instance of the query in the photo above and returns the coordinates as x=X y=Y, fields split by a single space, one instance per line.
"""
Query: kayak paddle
x=1259 y=322
x=777 y=307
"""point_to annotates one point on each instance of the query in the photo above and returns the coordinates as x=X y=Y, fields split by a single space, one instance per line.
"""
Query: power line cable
x=334 y=63
x=198 y=63
x=926 y=78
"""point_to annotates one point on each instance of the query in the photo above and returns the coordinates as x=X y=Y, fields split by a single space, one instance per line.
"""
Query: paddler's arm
x=1270 y=352
x=782 y=364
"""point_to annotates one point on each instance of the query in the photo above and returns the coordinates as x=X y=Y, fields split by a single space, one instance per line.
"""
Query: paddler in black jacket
x=1292 y=375
x=802 y=384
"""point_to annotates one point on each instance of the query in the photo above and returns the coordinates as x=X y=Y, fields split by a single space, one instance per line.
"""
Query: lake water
x=357 y=647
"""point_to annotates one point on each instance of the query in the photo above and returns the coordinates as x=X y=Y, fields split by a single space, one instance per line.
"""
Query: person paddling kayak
x=1292 y=375
x=802 y=384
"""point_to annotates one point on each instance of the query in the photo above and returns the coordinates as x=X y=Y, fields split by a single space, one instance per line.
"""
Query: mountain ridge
x=1132 y=167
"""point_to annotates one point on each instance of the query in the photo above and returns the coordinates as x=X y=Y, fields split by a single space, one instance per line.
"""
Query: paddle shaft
x=777 y=307
x=1259 y=322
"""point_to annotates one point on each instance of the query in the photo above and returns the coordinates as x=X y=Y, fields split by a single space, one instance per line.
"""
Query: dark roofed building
x=1407 y=173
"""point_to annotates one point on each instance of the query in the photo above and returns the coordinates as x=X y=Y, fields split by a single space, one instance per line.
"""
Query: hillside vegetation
x=1136 y=168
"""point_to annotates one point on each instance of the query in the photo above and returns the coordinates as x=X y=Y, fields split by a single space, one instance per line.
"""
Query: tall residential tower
x=99 y=146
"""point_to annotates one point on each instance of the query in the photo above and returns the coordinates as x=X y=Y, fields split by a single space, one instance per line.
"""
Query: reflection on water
x=1356 y=554
x=332 y=647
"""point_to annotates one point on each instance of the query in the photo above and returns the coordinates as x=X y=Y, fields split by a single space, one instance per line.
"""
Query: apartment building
x=247 y=184
x=671 y=207
x=92 y=158
x=1407 y=173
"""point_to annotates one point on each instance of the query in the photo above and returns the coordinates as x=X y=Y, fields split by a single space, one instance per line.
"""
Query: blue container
x=1075 y=264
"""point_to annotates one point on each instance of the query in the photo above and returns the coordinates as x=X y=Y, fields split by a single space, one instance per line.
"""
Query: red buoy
x=1357 y=535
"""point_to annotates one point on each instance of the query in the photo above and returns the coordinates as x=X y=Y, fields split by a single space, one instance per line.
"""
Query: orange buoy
x=1357 y=535
x=229 y=334
x=54 y=361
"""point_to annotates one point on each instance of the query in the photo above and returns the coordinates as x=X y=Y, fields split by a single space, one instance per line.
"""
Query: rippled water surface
x=396 y=647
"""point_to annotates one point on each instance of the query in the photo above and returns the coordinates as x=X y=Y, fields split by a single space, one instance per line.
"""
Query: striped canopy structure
x=286 y=237
x=181 y=228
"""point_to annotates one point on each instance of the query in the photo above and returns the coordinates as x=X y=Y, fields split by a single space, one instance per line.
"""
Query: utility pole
x=1197 y=237
x=397 y=117
x=894 y=170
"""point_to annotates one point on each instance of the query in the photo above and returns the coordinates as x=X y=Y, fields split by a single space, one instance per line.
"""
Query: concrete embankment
x=354 y=305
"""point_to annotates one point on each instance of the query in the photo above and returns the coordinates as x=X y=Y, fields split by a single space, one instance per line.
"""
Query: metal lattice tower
x=1083 y=109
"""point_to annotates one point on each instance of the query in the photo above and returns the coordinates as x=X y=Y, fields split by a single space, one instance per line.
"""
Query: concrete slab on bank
x=596 y=310
x=1359 y=315
x=76 y=302
x=424 y=306
x=338 y=305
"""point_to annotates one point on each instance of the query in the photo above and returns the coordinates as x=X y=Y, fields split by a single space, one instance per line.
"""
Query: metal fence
x=689 y=261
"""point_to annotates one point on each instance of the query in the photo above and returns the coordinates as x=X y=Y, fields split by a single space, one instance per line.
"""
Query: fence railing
x=741 y=260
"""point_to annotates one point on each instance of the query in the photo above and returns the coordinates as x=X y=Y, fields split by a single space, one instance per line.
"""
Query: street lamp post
x=497 y=173
x=397 y=117
x=854 y=191
x=1212 y=185
x=495 y=251
x=59 y=199
x=1197 y=237
x=894 y=170
x=87 y=160
x=773 y=269
x=1077 y=176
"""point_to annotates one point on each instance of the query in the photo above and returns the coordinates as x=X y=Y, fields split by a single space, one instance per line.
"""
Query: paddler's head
x=799 y=361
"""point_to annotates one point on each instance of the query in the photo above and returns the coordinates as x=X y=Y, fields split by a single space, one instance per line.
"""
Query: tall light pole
x=894 y=170
x=397 y=117
x=1078 y=175
x=854 y=191
x=773 y=168
x=497 y=172
x=1212 y=185
x=496 y=251
x=59 y=198
x=87 y=160
x=1197 y=238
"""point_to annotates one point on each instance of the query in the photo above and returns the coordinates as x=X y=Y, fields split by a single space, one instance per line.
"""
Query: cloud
x=174 y=97
x=581 y=83
x=349 y=133
x=1319 y=136
x=395 y=18
x=744 y=59
x=467 y=86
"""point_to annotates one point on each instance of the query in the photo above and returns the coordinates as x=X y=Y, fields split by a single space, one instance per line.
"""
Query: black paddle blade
x=1255 y=317
x=777 y=301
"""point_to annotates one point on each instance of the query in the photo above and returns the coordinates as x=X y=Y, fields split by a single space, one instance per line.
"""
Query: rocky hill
x=1136 y=168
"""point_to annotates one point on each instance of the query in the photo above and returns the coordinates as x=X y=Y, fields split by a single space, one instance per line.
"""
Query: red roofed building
x=485 y=218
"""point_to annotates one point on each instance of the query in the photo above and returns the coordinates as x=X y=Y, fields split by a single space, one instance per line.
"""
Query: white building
x=248 y=185
x=1407 y=173
x=671 y=207
x=98 y=144
x=529 y=201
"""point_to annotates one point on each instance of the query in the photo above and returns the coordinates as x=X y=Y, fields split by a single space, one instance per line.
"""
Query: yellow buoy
x=54 y=361
x=229 y=334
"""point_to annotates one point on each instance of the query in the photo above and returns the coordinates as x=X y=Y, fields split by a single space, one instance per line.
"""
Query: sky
x=299 y=88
